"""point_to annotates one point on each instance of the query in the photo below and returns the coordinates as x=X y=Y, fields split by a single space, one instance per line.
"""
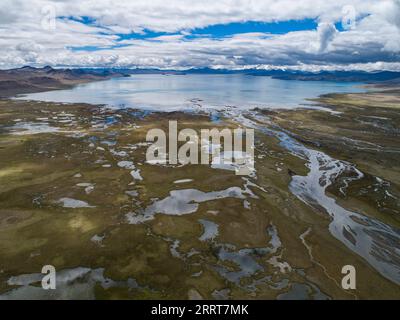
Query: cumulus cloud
x=389 y=11
x=91 y=33
x=326 y=33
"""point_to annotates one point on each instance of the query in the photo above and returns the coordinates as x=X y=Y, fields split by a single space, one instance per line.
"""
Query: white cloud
x=372 y=43
x=326 y=33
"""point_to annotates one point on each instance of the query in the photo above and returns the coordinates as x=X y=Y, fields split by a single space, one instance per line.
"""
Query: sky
x=308 y=35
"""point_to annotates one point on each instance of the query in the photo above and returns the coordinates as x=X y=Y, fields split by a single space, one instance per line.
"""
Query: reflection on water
x=195 y=92
x=78 y=284
x=210 y=230
x=181 y=202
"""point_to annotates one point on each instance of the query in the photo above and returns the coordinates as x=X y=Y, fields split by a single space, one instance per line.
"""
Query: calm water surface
x=177 y=92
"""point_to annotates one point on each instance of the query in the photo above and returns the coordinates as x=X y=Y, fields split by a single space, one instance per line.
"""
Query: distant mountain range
x=344 y=76
x=30 y=79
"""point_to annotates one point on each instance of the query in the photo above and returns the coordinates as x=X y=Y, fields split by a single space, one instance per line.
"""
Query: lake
x=181 y=92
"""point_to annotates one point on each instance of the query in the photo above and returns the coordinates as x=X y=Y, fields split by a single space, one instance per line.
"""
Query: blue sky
x=278 y=27
x=181 y=34
x=217 y=31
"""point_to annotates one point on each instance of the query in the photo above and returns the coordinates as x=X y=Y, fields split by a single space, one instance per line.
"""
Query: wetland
x=77 y=193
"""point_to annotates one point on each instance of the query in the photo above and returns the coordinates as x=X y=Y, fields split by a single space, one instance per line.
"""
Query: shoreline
x=33 y=80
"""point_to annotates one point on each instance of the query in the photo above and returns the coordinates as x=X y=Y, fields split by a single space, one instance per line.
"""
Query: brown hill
x=30 y=79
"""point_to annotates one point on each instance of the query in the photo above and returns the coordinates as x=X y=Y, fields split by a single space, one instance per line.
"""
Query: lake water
x=178 y=92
